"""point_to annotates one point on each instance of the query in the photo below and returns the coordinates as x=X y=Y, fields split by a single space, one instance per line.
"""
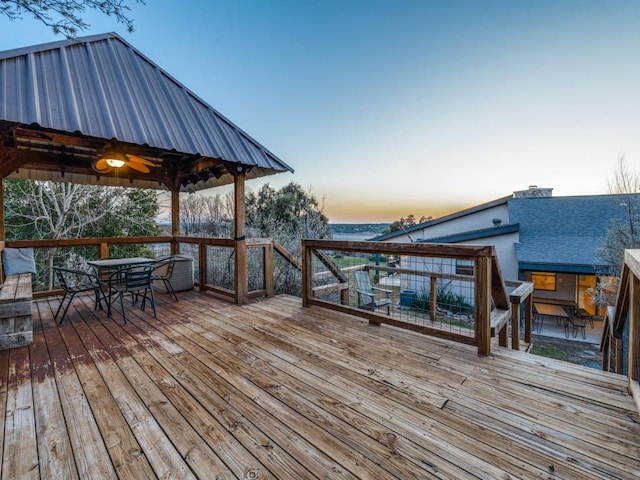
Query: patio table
x=550 y=310
x=107 y=266
x=110 y=264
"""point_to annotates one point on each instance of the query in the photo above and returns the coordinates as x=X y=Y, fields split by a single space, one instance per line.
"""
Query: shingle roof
x=100 y=86
x=564 y=230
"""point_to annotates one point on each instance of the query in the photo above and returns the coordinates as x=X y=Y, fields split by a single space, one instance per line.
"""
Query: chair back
x=61 y=277
x=132 y=278
x=164 y=268
x=363 y=281
x=69 y=278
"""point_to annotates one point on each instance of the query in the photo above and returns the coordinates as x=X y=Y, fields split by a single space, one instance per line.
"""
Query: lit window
x=544 y=281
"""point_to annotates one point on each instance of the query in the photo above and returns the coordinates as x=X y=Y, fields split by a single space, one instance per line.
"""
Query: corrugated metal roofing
x=100 y=86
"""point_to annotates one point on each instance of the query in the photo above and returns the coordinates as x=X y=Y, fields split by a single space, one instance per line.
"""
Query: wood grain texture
x=272 y=390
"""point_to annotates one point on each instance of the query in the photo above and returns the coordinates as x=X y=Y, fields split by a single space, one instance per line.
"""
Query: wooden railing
x=204 y=251
x=622 y=326
x=329 y=285
x=214 y=271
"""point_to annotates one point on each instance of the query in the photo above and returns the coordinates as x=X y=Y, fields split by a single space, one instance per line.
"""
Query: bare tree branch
x=65 y=16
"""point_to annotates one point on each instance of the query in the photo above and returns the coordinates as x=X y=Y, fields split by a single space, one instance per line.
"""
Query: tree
x=287 y=215
x=47 y=210
x=406 y=223
x=207 y=215
x=622 y=233
x=65 y=16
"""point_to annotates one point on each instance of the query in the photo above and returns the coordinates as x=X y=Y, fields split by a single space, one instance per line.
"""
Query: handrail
x=489 y=286
x=102 y=244
x=627 y=309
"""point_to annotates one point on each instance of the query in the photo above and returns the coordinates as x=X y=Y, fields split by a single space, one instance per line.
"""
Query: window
x=464 y=267
x=544 y=281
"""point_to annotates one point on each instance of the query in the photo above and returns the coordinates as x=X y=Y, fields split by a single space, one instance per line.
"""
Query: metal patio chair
x=134 y=281
x=163 y=271
x=73 y=282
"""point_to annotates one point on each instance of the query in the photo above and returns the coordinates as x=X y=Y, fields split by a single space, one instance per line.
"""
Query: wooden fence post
x=483 y=304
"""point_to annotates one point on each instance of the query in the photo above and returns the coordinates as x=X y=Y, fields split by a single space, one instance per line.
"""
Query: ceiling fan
x=113 y=157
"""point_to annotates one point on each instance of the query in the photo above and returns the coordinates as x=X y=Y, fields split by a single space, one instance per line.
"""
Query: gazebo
x=94 y=110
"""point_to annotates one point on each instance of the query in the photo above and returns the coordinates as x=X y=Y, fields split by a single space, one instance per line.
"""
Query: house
x=550 y=241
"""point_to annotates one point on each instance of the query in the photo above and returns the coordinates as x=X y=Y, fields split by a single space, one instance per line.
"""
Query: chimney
x=533 y=192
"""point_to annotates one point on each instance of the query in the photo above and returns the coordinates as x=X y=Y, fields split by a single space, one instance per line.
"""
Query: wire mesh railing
x=451 y=291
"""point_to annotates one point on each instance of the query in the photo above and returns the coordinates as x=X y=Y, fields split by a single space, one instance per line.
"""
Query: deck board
x=273 y=390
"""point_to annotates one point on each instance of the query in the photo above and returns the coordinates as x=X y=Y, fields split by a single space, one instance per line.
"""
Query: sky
x=397 y=107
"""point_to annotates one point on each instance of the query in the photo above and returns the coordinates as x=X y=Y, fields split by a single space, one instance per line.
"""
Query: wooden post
x=2 y=227
x=528 y=318
x=634 y=327
x=618 y=353
x=175 y=222
x=242 y=274
x=307 y=273
x=267 y=252
x=434 y=298
x=202 y=266
x=515 y=326
x=103 y=250
x=483 y=304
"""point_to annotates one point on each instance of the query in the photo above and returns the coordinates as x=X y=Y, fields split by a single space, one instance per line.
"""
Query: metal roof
x=565 y=230
x=102 y=87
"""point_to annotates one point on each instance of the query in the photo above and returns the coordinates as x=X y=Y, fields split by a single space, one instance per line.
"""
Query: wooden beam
x=175 y=221
x=483 y=288
x=267 y=269
x=307 y=274
x=634 y=326
x=2 y=219
x=242 y=274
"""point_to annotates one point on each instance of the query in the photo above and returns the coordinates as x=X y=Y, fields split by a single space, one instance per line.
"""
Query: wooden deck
x=211 y=390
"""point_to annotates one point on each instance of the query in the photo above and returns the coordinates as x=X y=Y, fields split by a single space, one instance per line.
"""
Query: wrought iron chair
x=163 y=271
x=367 y=293
x=74 y=282
x=134 y=281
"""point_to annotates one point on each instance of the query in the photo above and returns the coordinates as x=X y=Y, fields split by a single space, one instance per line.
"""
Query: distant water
x=356 y=231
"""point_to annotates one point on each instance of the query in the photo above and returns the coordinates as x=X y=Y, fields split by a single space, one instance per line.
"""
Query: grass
x=548 y=351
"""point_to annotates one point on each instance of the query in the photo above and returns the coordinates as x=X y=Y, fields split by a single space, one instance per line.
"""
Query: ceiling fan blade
x=101 y=166
x=139 y=167
x=140 y=160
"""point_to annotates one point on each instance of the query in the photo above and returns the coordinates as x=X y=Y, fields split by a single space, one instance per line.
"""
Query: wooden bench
x=16 y=323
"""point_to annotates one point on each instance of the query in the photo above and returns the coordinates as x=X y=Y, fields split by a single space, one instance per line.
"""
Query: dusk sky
x=386 y=108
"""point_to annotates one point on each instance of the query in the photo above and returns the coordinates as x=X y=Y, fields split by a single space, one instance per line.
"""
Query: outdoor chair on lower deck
x=74 y=282
x=575 y=324
x=367 y=293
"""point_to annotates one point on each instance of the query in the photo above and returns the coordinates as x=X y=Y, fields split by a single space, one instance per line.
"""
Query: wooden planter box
x=16 y=323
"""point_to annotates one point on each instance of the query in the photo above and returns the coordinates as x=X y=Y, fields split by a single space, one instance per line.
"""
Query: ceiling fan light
x=115 y=162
